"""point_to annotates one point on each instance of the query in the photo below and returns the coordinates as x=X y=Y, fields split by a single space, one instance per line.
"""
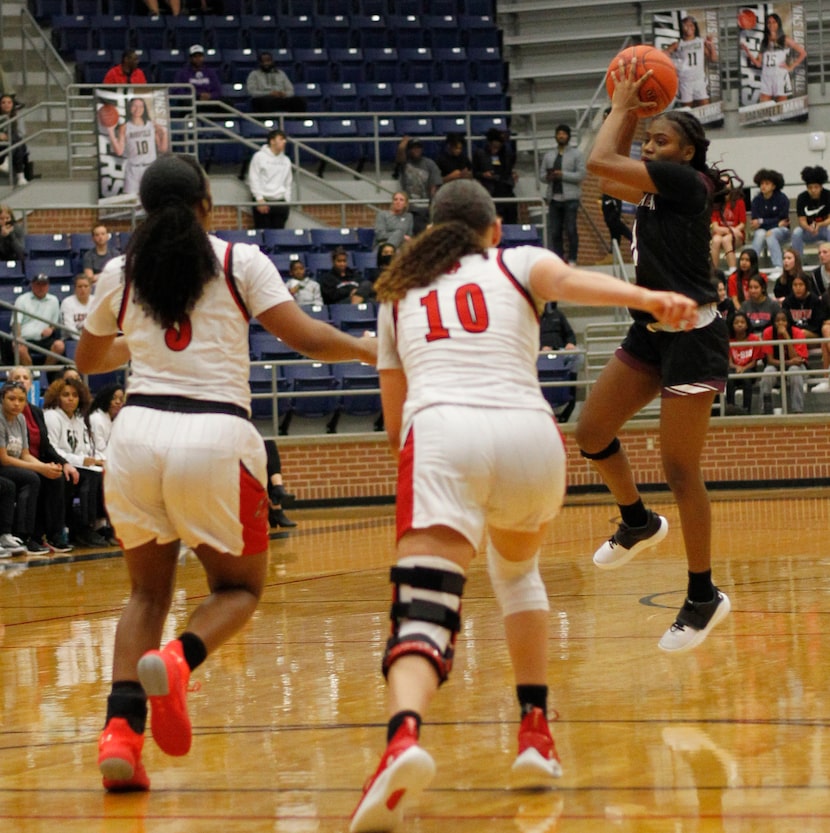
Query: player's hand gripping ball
x=660 y=87
x=108 y=115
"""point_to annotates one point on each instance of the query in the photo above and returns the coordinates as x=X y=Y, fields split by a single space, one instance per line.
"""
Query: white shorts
x=692 y=88
x=200 y=478
x=469 y=468
x=776 y=82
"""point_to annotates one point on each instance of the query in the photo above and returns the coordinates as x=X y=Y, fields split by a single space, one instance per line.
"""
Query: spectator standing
x=394 y=225
x=205 y=80
x=270 y=89
x=493 y=167
x=277 y=496
x=340 y=283
x=770 y=209
x=12 y=241
x=563 y=170
x=453 y=162
x=812 y=209
x=127 y=72
x=11 y=133
x=271 y=180
x=420 y=178
x=101 y=253
x=303 y=287
x=75 y=307
x=39 y=301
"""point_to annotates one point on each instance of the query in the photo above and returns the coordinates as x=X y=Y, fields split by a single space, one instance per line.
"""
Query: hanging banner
x=690 y=37
x=773 y=63
x=133 y=128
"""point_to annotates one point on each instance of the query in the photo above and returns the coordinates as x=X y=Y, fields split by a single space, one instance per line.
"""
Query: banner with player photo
x=133 y=128
x=690 y=37
x=773 y=63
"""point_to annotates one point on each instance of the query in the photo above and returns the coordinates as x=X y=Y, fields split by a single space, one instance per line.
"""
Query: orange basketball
x=661 y=87
x=747 y=19
x=108 y=115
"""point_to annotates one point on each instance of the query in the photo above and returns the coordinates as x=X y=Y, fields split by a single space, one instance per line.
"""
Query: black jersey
x=672 y=236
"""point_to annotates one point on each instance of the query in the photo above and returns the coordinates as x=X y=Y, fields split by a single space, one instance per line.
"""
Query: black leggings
x=27 y=485
x=274 y=465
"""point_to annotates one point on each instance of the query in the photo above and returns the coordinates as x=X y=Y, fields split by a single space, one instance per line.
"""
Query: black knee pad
x=612 y=448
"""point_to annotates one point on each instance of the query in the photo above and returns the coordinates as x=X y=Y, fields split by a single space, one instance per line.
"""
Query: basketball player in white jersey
x=140 y=140
x=690 y=54
x=774 y=60
x=184 y=462
x=479 y=459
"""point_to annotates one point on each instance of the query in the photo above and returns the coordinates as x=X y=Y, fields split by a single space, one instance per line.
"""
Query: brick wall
x=344 y=470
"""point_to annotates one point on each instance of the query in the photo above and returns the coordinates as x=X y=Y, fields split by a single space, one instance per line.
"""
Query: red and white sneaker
x=537 y=762
x=119 y=757
x=164 y=675
x=405 y=770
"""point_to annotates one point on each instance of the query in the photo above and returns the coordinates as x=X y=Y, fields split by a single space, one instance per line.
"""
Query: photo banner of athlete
x=133 y=125
x=773 y=63
x=690 y=37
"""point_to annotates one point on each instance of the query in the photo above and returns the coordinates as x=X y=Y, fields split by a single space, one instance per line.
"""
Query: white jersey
x=775 y=77
x=140 y=151
x=74 y=313
x=206 y=357
x=469 y=338
x=690 y=58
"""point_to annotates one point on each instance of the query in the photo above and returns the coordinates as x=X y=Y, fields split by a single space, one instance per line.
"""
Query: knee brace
x=612 y=448
x=517 y=584
x=426 y=611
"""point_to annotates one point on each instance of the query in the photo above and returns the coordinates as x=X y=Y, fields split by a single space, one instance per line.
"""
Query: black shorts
x=686 y=363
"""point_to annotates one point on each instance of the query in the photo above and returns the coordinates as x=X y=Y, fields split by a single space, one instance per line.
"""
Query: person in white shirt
x=103 y=410
x=75 y=308
x=305 y=289
x=271 y=178
x=43 y=330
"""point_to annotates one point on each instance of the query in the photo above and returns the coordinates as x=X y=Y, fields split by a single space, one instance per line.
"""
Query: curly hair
x=461 y=212
x=770 y=175
x=814 y=175
x=170 y=258
x=52 y=397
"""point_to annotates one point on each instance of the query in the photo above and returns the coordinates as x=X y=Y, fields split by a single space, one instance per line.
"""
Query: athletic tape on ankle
x=612 y=448
x=518 y=586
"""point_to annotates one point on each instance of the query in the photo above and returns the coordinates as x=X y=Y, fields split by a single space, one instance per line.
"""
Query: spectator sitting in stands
x=795 y=362
x=791 y=268
x=821 y=274
x=204 y=79
x=64 y=403
x=738 y=282
x=725 y=306
x=50 y=518
x=556 y=333
x=493 y=168
x=760 y=309
x=395 y=225
x=102 y=252
x=127 y=72
x=75 y=307
x=340 y=283
x=12 y=245
x=419 y=178
x=742 y=359
x=805 y=307
x=103 y=410
x=11 y=133
x=453 y=162
x=812 y=209
x=770 y=222
x=366 y=288
x=270 y=89
x=728 y=226
x=39 y=301
x=303 y=287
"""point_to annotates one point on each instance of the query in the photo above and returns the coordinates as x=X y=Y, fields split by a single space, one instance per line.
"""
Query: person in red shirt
x=742 y=359
x=127 y=72
x=794 y=363
x=728 y=226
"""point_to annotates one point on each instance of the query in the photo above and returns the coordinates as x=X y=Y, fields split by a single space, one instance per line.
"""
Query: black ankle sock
x=128 y=700
x=701 y=588
x=397 y=721
x=194 y=650
x=634 y=514
x=532 y=697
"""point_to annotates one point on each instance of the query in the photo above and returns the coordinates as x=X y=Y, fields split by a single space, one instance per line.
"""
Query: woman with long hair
x=743 y=358
x=105 y=407
x=728 y=226
x=184 y=461
x=673 y=187
x=737 y=286
x=778 y=57
x=792 y=268
x=479 y=456
x=760 y=309
x=792 y=359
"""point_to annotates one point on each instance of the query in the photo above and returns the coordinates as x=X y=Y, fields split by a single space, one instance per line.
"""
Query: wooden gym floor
x=289 y=720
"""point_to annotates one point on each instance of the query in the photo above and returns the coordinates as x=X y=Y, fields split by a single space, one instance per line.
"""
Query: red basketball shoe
x=119 y=757
x=537 y=762
x=164 y=675
x=405 y=770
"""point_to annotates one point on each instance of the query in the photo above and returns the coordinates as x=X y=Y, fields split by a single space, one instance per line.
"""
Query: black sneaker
x=276 y=517
x=694 y=622
x=628 y=541
x=59 y=543
x=36 y=548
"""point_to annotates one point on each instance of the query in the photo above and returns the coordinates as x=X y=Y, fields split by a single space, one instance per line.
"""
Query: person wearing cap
x=812 y=209
x=127 y=72
x=419 y=178
x=563 y=170
x=270 y=89
x=205 y=80
x=41 y=331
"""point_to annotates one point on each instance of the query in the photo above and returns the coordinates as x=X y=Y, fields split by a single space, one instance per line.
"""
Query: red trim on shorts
x=122 y=310
x=404 y=499
x=511 y=277
x=231 y=283
x=253 y=513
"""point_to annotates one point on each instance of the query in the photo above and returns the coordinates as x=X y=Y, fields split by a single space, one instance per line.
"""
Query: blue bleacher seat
x=263 y=379
x=186 y=31
x=306 y=378
x=221 y=145
x=525 y=234
x=450 y=95
x=347 y=150
x=372 y=31
x=453 y=64
x=415 y=126
x=478 y=31
x=298 y=31
x=283 y=260
x=325 y=239
x=264 y=345
x=166 y=63
x=407 y=31
x=123 y=238
x=377 y=96
x=260 y=32
x=11 y=271
x=413 y=95
x=72 y=32
x=383 y=64
x=224 y=32
x=487 y=95
x=486 y=64
x=320 y=312
x=479 y=6
x=311 y=92
x=45 y=10
x=237 y=96
x=449 y=124
x=355 y=376
x=313 y=64
x=111 y=31
x=317 y=262
x=479 y=125
x=287 y=240
x=82 y=242
x=350 y=64
x=92 y=64
x=557 y=367
x=418 y=64
x=366 y=236
x=55 y=267
x=47 y=245
x=340 y=97
x=443 y=30
x=302 y=130
x=387 y=141
x=354 y=318
x=366 y=261
x=241 y=236
x=87 y=7
x=334 y=30
x=149 y=32
x=238 y=64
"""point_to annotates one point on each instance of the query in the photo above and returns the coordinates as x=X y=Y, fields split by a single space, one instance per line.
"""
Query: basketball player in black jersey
x=673 y=189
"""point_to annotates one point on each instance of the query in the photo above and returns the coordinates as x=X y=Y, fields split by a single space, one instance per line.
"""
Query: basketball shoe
x=629 y=541
x=694 y=622
x=537 y=761
x=119 y=757
x=405 y=770
x=164 y=675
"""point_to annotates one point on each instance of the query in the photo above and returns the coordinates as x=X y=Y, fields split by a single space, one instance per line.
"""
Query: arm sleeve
x=388 y=358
